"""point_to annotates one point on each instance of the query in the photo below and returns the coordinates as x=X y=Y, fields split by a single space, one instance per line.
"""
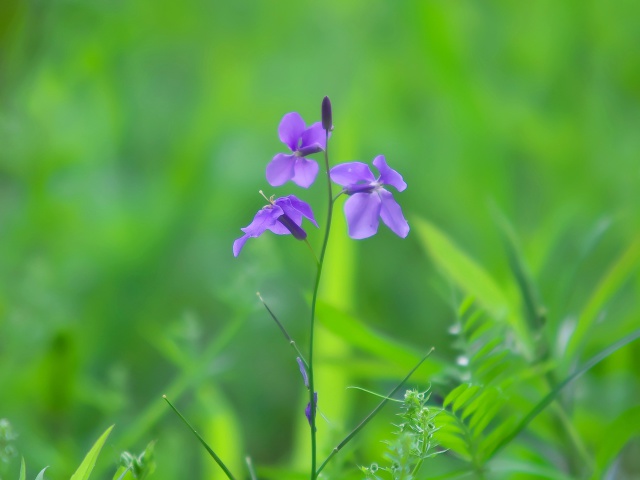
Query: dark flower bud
x=303 y=372
x=307 y=411
x=327 y=121
x=295 y=230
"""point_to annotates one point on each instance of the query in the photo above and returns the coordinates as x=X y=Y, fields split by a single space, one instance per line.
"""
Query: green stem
x=291 y=341
x=213 y=454
x=313 y=310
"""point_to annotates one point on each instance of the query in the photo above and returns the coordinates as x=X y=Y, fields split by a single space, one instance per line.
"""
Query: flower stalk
x=312 y=397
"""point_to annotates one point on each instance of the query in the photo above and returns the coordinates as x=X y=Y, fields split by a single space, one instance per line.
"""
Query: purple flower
x=302 y=141
x=303 y=372
x=282 y=216
x=369 y=201
x=307 y=411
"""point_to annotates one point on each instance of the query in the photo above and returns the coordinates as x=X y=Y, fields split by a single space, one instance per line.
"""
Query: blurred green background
x=133 y=141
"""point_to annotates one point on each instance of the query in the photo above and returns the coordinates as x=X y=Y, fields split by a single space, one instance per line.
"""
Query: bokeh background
x=133 y=141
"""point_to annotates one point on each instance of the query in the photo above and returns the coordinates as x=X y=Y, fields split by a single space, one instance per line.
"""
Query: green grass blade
x=41 y=474
x=556 y=391
x=618 y=273
x=358 y=334
x=86 y=467
x=470 y=277
x=465 y=272
x=23 y=470
x=204 y=444
x=534 y=309
x=623 y=429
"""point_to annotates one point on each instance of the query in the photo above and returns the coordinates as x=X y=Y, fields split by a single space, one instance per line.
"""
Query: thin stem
x=291 y=341
x=313 y=310
x=312 y=252
x=204 y=444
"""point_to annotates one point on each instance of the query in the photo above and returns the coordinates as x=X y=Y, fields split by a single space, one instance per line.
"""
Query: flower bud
x=295 y=230
x=327 y=121
x=303 y=372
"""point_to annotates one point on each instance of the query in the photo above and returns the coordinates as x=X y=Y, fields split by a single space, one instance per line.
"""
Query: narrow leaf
x=85 y=468
x=467 y=395
x=204 y=444
x=618 y=273
x=462 y=269
x=23 y=470
x=623 y=429
x=358 y=334
x=537 y=409
x=455 y=393
x=41 y=474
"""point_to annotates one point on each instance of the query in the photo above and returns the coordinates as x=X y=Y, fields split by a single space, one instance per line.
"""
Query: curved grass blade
x=556 y=391
x=618 y=273
x=86 y=467
x=204 y=444
x=623 y=429
x=41 y=474
x=373 y=413
x=23 y=470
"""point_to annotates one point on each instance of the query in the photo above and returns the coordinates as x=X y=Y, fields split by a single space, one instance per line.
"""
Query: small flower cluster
x=414 y=442
x=368 y=202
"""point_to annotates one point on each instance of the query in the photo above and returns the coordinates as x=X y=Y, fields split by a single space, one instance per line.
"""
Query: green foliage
x=414 y=441
x=508 y=373
x=86 y=467
x=131 y=132
x=136 y=467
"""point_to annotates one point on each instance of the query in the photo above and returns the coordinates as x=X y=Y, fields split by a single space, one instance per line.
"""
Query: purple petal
x=279 y=229
x=307 y=411
x=303 y=372
x=305 y=172
x=263 y=220
x=313 y=135
x=391 y=214
x=290 y=130
x=281 y=169
x=388 y=175
x=300 y=206
x=363 y=214
x=351 y=173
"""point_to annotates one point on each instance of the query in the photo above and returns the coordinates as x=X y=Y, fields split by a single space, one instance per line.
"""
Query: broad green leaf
x=85 y=468
x=455 y=393
x=463 y=270
x=481 y=419
x=491 y=361
x=480 y=402
x=471 y=323
x=23 y=470
x=627 y=264
x=519 y=468
x=623 y=429
x=465 y=306
x=465 y=396
x=358 y=334
x=41 y=474
x=486 y=349
x=471 y=278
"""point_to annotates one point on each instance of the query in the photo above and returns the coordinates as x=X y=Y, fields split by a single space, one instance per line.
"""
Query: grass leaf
x=540 y=406
x=618 y=273
x=85 y=468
